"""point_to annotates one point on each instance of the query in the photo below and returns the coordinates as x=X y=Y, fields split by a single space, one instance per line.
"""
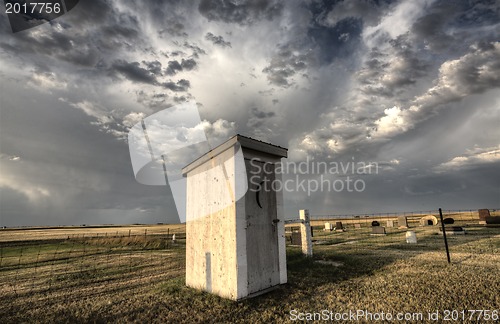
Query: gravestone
x=411 y=237
x=448 y=221
x=339 y=227
x=483 y=213
x=493 y=220
x=357 y=226
x=328 y=227
x=305 y=232
x=486 y=218
x=296 y=239
x=402 y=222
x=390 y=223
x=429 y=220
x=378 y=230
x=453 y=230
x=235 y=233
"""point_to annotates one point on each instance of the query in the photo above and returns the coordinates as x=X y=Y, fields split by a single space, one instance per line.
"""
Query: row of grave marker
x=306 y=230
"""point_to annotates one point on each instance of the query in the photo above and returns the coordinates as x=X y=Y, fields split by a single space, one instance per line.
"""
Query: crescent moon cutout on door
x=257 y=194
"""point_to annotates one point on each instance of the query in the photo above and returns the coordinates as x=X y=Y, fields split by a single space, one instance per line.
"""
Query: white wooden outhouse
x=235 y=233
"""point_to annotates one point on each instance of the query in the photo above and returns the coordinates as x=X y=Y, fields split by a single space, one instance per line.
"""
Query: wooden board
x=262 y=241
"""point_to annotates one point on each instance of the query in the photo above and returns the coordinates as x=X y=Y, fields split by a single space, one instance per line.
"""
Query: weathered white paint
x=305 y=232
x=235 y=248
x=211 y=237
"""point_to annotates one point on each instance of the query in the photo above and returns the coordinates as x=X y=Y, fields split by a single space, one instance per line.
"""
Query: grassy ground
x=141 y=279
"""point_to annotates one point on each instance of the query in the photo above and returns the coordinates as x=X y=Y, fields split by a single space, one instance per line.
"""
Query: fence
x=63 y=265
x=413 y=217
x=357 y=236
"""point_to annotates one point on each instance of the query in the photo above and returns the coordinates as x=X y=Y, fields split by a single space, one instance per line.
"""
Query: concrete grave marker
x=486 y=218
x=328 y=227
x=483 y=213
x=493 y=220
x=378 y=230
x=402 y=222
x=448 y=221
x=411 y=237
x=357 y=226
x=339 y=227
x=453 y=230
x=429 y=220
x=235 y=248
x=296 y=238
x=390 y=223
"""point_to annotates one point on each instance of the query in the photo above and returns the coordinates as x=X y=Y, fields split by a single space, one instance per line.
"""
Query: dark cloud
x=319 y=44
x=55 y=45
x=241 y=12
x=477 y=13
x=134 y=72
x=262 y=114
x=188 y=65
x=367 y=10
x=174 y=28
x=388 y=74
x=64 y=40
x=473 y=73
x=154 y=101
x=195 y=49
x=173 y=67
x=442 y=28
x=431 y=28
x=124 y=26
x=258 y=118
x=285 y=64
x=355 y=79
x=279 y=75
x=331 y=41
x=179 y=86
x=184 y=65
x=154 y=67
x=217 y=40
x=53 y=183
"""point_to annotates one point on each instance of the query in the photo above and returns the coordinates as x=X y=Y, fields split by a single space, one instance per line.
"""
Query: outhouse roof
x=245 y=142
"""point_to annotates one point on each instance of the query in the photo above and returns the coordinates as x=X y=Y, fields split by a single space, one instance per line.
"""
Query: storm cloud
x=410 y=85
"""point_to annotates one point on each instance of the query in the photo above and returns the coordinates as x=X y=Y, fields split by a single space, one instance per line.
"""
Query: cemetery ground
x=137 y=273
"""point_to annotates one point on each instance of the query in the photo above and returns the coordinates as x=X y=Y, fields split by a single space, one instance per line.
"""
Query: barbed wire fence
x=477 y=240
x=45 y=263
x=469 y=214
x=94 y=262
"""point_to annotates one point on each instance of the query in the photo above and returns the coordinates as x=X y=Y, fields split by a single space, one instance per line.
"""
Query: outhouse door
x=262 y=231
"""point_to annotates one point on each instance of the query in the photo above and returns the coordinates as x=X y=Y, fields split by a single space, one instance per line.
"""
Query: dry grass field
x=103 y=275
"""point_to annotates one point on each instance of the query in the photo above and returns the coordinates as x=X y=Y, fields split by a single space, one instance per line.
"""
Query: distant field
x=99 y=275
x=62 y=232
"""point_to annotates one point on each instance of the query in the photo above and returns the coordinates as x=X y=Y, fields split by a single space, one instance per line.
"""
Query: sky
x=408 y=91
